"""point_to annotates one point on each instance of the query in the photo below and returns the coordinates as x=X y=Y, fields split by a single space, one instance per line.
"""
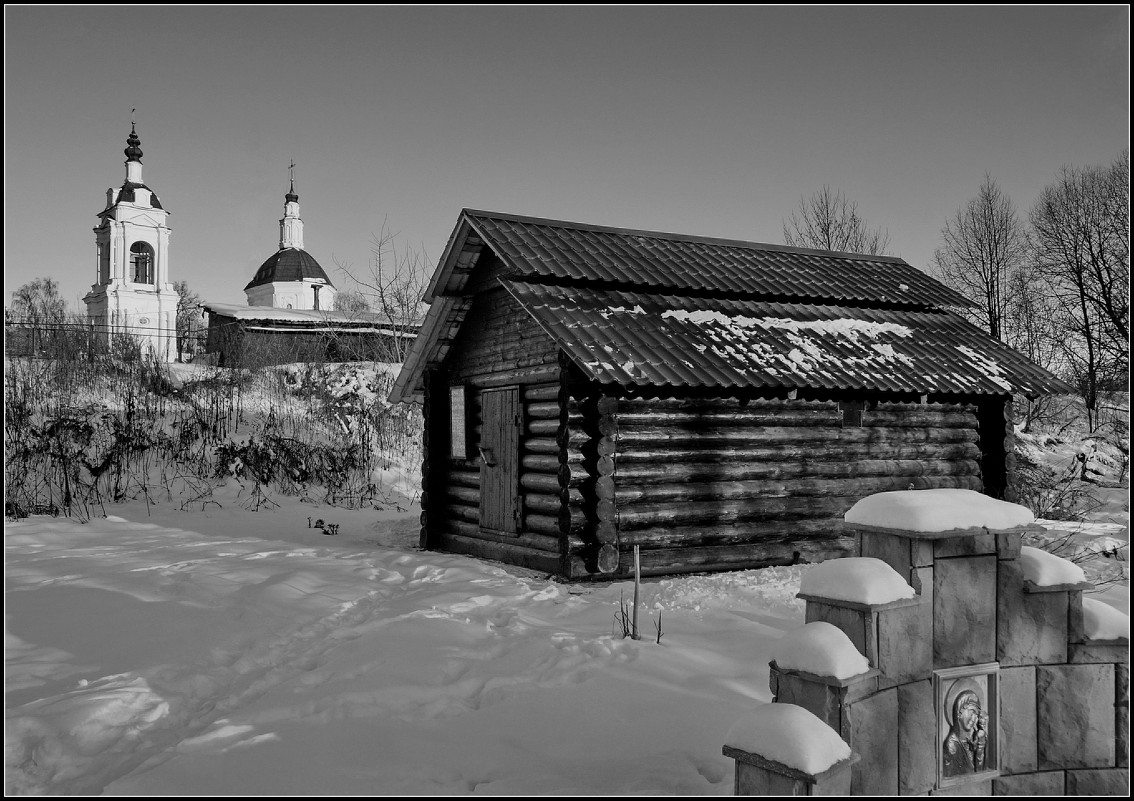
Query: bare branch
x=984 y=247
x=393 y=286
x=1081 y=224
x=828 y=221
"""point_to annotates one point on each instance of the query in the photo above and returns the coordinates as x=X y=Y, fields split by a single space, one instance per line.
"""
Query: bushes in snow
x=80 y=435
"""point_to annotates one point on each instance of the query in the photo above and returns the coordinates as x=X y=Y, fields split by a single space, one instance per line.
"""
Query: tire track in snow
x=109 y=727
x=121 y=724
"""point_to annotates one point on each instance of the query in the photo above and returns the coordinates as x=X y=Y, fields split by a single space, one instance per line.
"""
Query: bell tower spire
x=291 y=226
x=133 y=153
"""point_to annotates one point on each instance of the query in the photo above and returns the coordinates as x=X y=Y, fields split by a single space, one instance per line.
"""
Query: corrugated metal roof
x=720 y=313
x=442 y=322
x=633 y=338
x=533 y=247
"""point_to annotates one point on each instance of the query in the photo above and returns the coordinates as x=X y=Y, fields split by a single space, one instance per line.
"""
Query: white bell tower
x=132 y=294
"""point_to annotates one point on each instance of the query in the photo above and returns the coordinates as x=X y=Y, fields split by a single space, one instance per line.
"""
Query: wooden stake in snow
x=634 y=625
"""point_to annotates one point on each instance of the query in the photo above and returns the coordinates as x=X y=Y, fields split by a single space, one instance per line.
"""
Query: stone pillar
x=756 y=775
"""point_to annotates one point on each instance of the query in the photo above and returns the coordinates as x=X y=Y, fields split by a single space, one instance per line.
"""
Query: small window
x=142 y=263
x=316 y=296
x=458 y=436
x=103 y=264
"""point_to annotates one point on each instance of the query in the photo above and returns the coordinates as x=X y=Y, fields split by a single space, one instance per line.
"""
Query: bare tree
x=351 y=301
x=39 y=301
x=1081 y=227
x=38 y=312
x=984 y=246
x=828 y=221
x=1032 y=326
x=394 y=286
x=190 y=319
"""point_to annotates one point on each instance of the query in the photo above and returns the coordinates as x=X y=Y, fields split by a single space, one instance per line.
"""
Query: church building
x=291 y=315
x=132 y=293
x=291 y=278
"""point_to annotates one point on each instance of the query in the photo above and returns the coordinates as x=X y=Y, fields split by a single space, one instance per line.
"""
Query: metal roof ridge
x=708 y=240
x=599 y=285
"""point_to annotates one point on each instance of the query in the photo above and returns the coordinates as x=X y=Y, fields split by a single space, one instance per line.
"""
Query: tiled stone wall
x=1063 y=700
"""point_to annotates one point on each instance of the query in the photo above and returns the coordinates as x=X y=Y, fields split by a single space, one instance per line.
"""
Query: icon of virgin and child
x=965 y=749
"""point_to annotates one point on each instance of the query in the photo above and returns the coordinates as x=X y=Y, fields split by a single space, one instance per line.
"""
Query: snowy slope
x=235 y=652
x=227 y=651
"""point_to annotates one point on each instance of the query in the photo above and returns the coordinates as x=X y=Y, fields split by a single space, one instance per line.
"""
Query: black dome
x=288 y=264
x=126 y=193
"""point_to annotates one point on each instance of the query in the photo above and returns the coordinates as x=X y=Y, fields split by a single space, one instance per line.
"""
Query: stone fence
x=992 y=676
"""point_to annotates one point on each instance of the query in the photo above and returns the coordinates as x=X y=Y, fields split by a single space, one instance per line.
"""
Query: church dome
x=288 y=264
x=126 y=194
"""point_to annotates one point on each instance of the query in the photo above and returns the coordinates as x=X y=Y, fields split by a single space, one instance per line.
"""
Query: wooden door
x=501 y=418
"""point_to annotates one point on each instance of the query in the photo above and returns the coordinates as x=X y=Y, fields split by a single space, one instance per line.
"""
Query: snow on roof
x=293 y=315
x=859 y=579
x=678 y=340
x=987 y=365
x=844 y=327
x=937 y=510
x=790 y=735
x=821 y=649
x=370 y=329
x=1048 y=570
x=1101 y=621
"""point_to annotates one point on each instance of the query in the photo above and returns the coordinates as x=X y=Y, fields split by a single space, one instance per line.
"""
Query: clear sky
x=712 y=121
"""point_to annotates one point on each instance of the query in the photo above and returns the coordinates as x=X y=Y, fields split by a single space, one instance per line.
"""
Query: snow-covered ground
x=227 y=651
x=224 y=651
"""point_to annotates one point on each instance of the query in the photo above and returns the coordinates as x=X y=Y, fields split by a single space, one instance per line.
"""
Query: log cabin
x=718 y=403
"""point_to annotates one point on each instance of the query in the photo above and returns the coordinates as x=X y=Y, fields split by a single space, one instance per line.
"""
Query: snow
x=843 y=327
x=935 y=510
x=230 y=652
x=790 y=735
x=240 y=312
x=637 y=309
x=1048 y=570
x=847 y=328
x=858 y=579
x=223 y=651
x=1103 y=622
x=821 y=649
x=986 y=365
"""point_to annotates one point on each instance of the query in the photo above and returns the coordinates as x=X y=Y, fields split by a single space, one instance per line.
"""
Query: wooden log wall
x=500 y=346
x=550 y=538
x=498 y=338
x=704 y=484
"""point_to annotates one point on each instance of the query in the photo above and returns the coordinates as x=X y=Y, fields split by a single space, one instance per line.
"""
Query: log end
x=608 y=559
